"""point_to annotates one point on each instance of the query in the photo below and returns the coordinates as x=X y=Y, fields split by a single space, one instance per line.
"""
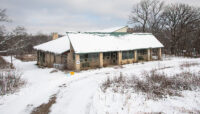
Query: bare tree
x=2 y=32
x=20 y=31
x=179 y=21
x=139 y=14
x=3 y=16
x=154 y=21
x=18 y=41
x=146 y=14
x=19 y=35
x=177 y=26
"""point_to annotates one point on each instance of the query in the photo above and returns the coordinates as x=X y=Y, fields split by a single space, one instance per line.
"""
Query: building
x=119 y=29
x=80 y=51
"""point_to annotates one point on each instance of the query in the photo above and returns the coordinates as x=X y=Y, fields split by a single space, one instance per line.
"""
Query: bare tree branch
x=3 y=16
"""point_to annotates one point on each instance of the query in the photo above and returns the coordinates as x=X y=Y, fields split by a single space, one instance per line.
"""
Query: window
x=131 y=54
x=64 y=58
x=88 y=57
x=83 y=56
x=127 y=54
x=38 y=54
x=85 y=65
x=124 y=55
x=142 y=52
x=106 y=55
x=93 y=56
x=154 y=52
x=42 y=57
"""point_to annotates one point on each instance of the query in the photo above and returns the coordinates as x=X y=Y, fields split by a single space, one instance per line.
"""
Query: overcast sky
x=71 y=15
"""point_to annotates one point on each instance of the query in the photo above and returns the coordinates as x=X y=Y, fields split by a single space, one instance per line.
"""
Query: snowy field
x=81 y=93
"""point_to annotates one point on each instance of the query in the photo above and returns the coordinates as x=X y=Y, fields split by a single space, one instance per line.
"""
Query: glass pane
x=124 y=55
x=131 y=54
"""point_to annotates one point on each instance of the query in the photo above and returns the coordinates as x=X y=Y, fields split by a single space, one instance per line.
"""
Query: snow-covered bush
x=154 y=85
x=10 y=81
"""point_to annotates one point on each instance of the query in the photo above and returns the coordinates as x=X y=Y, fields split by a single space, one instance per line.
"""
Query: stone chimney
x=55 y=35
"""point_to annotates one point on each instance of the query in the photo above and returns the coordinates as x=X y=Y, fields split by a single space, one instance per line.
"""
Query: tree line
x=18 y=41
x=177 y=26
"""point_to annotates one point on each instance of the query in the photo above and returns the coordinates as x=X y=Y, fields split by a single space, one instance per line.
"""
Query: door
x=64 y=61
x=114 y=57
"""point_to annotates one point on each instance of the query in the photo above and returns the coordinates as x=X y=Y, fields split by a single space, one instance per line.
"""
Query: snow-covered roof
x=57 y=46
x=97 y=42
x=100 y=42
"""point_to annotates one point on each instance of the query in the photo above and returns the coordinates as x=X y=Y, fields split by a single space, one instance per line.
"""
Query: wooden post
x=148 y=54
x=11 y=65
x=151 y=52
x=48 y=59
x=159 y=53
x=101 y=60
x=38 y=57
x=77 y=62
x=119 y=58
x=135 y=56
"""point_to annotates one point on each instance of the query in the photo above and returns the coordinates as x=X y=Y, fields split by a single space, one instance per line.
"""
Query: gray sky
x=71 y=15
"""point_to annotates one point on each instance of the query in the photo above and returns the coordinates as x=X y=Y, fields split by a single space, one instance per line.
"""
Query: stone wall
x=93 y=63
x=128 y=61
x=70 y=61
x=58 y=59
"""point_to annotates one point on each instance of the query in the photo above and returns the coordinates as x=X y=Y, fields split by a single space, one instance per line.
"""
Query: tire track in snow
x=77 y=97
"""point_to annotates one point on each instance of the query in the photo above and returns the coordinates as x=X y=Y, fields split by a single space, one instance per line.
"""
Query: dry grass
x=10 y=81
x=163 y=68
x=154 y=85
x=187 y=111
x=150 y=113
x=188 y=64
x=45 y=108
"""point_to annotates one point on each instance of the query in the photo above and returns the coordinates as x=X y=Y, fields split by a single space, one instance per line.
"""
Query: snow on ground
x=81 y=93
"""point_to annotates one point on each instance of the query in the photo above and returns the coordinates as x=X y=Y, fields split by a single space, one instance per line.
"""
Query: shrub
x=155 y=85
x=106 y=84
x=10 y=81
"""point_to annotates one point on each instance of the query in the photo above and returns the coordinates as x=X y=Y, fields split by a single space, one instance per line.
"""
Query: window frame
x=127 y=54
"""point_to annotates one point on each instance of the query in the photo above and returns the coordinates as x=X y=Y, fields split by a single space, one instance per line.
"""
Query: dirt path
x=45 y=107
